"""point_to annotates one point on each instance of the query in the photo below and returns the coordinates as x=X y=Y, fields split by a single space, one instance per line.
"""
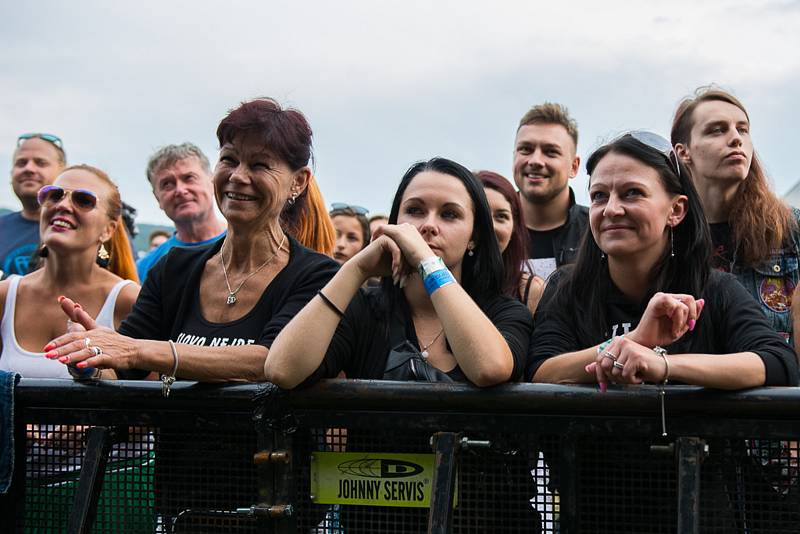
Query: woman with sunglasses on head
x=352 y=230
x=439 y=314
x=641 y=303
x=85 y=253
x=509 y=228
x=756 y=237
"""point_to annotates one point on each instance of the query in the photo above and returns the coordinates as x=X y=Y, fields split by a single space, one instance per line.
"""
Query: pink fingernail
x=52 y=355
x=64 y=359
x=81 y=364
x=603 y=387
x=50 y=346
x=78 y=306
x=691 y=323
x=60 y=298
x=701 y=302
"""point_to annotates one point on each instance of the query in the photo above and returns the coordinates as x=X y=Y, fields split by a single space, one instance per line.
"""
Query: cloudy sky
x=384 y=83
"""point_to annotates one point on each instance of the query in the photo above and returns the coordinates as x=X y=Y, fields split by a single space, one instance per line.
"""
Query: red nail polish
x=603 y=387
x=50 y=346
x=81 y=364
x=64 y=359
x=51 y=355
x=691 y=323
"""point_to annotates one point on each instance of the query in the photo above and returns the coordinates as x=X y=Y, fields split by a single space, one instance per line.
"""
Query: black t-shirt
x=540 y=243
x=722 y=239
x=168 y=304
x=361 y=344
x=731 y=322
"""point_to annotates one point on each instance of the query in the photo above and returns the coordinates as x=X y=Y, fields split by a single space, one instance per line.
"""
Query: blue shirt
x=19 y=238
x=146 y=263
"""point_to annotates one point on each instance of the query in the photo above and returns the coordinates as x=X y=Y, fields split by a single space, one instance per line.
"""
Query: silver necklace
x=232 y=292
x=425 y=348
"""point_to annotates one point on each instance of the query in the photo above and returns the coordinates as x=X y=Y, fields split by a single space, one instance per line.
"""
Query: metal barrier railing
x=350 y=456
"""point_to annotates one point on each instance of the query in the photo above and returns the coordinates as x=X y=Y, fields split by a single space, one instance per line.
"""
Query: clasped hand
x=630 y=359
x=395 y=250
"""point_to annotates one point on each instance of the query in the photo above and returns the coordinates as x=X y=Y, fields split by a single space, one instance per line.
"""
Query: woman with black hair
x=641 y=304
x=439 y=315
x=440 y=298
x=643 y=282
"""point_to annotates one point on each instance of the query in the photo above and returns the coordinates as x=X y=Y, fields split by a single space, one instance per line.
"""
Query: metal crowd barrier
x=351 y=456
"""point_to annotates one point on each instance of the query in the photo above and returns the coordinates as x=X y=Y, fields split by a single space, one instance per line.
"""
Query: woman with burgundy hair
x=509 y=228
x=211 y=313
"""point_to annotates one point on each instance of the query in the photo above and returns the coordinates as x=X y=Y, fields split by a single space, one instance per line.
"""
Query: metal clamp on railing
x=273 y=511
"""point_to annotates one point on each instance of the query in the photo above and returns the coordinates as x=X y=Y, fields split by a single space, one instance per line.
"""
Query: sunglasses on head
x=358 y=210
x=658 y=143
x=50 y=138
x=83 y=199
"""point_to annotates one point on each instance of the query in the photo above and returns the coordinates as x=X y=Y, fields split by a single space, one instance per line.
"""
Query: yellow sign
x=372 y=479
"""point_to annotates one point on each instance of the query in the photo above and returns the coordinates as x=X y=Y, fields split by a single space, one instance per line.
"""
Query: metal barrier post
x=440 y=518
x=567 y=503
x=690 y=455
x=81 y=518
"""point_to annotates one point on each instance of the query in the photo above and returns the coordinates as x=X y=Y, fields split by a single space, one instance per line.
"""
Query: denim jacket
x=773 y=281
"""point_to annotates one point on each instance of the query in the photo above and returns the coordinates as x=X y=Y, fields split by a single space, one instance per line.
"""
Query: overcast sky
x=382 y=83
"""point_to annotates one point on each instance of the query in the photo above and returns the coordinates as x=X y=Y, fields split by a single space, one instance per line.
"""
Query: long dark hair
x=481 y=273
x=585 y=288
x=516 y=251
x=759 y=220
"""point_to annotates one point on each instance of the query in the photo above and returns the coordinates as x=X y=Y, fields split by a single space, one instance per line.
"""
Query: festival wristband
x=430 y=265
x=604 y=345
x=437 y=279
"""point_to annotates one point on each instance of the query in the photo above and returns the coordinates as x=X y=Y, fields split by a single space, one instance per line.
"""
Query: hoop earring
x=103 y=257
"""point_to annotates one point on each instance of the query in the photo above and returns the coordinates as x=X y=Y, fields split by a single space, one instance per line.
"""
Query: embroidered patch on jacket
x=776 y=294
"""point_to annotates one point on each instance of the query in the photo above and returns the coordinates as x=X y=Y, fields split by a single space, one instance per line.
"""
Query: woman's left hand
x=118 y=351
x=626 y=362
x=411 y=243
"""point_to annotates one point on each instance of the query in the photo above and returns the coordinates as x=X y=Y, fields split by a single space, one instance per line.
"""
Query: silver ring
x=618 y=365
x=97 y=350
x=609 y=355
x=87 y=342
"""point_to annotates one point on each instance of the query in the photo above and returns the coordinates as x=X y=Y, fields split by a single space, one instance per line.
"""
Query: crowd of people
x=682 y=269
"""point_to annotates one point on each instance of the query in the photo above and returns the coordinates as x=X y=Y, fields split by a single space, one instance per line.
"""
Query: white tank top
x=34 y=364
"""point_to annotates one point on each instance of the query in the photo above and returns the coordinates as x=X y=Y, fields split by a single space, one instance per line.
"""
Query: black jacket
x=567 y=241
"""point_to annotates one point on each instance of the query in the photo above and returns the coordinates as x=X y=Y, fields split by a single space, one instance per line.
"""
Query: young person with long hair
x=755 y=234
x=438 y=315
x=84 y=252
x=641 y=304
x=756 y=237
x=509 y=228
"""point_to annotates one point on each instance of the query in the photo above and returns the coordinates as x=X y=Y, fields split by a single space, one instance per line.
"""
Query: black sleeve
x=342 y=348
x=553 y=330
x=514 y=322
x=147 y=319
x=315 y=274
x=743 y=328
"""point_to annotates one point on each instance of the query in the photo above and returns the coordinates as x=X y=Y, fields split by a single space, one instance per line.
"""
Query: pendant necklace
x=425 y=348
x=232 y=292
